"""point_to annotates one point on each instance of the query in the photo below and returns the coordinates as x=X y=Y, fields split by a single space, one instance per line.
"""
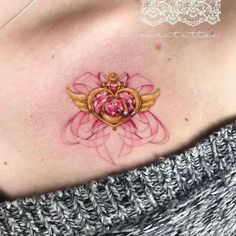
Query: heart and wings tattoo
x=114 y=104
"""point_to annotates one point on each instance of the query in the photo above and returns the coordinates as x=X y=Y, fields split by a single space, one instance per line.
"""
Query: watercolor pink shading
x=143 y=128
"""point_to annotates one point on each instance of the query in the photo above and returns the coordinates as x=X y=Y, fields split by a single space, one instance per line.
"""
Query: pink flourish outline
x=84 y=128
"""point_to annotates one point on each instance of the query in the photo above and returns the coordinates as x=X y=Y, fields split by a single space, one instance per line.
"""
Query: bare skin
x=50 y=45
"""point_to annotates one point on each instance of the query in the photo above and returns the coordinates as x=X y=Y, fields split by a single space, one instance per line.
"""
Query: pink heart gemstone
x=114 y=107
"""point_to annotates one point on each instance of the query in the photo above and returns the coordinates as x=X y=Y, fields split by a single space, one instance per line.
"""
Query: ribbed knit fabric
x=190 y=194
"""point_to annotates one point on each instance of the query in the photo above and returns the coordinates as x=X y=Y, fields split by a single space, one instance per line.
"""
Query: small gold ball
x=113 y=77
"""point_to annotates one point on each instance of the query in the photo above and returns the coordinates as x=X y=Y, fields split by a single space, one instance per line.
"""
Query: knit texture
x=193 y=193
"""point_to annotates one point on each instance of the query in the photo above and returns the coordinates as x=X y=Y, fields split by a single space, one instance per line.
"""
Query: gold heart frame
x=118 y=120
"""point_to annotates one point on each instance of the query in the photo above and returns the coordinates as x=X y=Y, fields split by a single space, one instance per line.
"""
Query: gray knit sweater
x=193 y=193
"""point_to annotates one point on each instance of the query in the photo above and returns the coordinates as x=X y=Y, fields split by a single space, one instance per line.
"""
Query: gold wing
x=148 y=100
x=79 y=99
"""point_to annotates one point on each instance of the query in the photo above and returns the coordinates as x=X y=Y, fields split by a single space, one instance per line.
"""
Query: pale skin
x=50 y=45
